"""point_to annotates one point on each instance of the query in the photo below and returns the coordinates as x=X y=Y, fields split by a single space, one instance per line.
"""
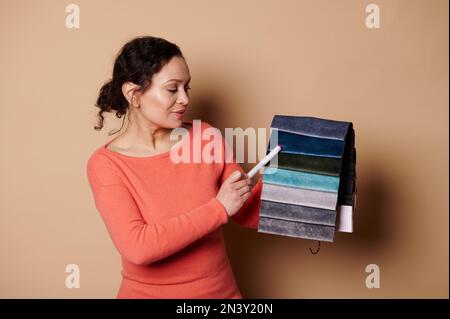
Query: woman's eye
x=174 y=90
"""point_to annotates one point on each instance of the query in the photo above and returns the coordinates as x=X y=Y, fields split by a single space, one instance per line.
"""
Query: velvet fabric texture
x=296 y=229
x=347 y=185
x=298 y=213
x=299 y=196
x=300 y=179
x=307 y=145
x=313 y=180
x=309 y=163
x=311 y=126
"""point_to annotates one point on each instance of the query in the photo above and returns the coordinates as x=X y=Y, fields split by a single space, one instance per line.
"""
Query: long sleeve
x=248 y=214
x=141 y=242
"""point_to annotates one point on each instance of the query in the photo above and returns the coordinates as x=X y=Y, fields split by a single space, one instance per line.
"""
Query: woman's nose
x=183 y=98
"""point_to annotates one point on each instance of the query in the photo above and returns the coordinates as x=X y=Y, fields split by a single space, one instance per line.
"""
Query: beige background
x=249 y=60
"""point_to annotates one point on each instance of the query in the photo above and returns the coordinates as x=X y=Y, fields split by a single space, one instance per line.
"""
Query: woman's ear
x=129 y=91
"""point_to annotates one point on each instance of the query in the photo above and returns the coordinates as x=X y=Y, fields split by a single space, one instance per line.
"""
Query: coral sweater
x=165 y=220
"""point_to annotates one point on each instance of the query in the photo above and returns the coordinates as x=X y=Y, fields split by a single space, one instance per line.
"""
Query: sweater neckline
x=155 y=156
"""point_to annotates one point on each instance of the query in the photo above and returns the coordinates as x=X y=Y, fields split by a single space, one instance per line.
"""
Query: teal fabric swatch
x=299 y=179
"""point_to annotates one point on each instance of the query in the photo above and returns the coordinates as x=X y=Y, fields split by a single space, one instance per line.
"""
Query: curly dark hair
x=136 y=62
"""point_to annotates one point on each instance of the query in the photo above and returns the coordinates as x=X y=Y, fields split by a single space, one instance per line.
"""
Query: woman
x=164 y=217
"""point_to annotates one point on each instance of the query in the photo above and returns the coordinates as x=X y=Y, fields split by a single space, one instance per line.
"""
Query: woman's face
x=166 y=101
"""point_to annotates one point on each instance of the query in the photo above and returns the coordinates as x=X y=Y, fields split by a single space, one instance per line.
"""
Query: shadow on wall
x=209 y=105
x=375 y=206
x=250 y=251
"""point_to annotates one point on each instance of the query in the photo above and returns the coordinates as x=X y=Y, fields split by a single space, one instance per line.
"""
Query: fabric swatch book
x=309 y=189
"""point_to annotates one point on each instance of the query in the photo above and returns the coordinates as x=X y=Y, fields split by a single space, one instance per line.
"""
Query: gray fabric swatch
x=299 y=196
x=298 y=213
x=296 y=229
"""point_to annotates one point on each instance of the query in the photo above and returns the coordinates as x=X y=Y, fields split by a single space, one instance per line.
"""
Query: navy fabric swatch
x=311 y=126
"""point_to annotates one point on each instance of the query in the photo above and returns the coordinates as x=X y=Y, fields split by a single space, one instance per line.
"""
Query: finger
x=234 y=177
x=239 y=184
x=246 y=196
x=243 y=190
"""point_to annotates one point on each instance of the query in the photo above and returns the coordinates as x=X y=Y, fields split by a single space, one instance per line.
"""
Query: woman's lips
x=179 y=114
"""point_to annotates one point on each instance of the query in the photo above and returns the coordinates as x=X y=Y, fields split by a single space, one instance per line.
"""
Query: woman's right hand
x=234 y=192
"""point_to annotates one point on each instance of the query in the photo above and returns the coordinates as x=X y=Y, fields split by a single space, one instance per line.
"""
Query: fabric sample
x=307 y=145
x=311 y=126
x=345 y=220
x=299 y=196
x=298 y=213
x=309 y=163
x=296 y=229
x=298 y=179
x=347 y=184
